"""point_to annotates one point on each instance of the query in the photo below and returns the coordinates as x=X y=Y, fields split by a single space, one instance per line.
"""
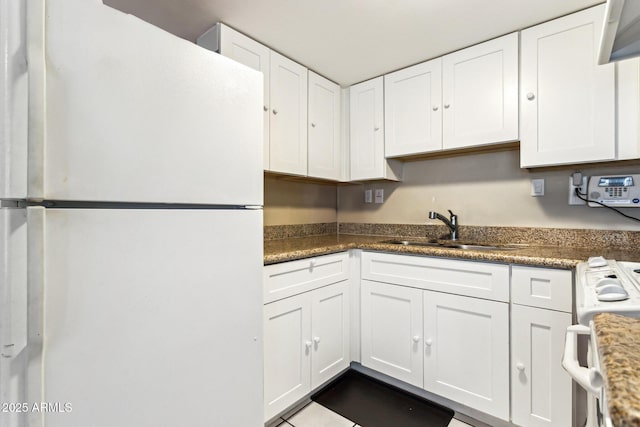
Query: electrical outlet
x=573 y=199
x=368 y=196
x=379 y=195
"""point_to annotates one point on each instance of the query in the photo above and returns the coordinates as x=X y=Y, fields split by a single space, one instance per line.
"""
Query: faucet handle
x=451 y=213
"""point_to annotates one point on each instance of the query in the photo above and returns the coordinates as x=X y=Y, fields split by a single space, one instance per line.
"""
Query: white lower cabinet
x=484 y=335
x=391 y=331
x=466 y=351
x=306 y=343
x=450 y=345
x=541 y=391
x=287 y=359
x=540 y=388
x=448 y=327
x=456 y=346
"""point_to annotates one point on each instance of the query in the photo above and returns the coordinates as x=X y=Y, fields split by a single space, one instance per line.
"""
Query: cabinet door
x=329 y=332
x=541 y=392
x=466 y=351
x=567 y=102
x=480 y=94
x=366 y=131
x=628 y=108
x=249 y=52
x=392 y=330
x=324 y=142
x=287 y=353
x=288 y=123
x=412 y=109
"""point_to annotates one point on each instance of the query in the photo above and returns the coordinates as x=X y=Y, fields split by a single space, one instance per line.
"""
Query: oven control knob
x=612 y=293
x=597 y=261
x=607 y=282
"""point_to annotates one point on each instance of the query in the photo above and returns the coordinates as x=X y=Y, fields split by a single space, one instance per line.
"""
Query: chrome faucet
x=452 y=223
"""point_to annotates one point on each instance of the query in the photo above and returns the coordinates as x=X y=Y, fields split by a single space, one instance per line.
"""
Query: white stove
x=601 y=286
x=607 y=286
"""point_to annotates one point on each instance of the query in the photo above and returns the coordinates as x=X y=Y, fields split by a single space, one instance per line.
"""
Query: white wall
x=482 y=189
x=289 y=202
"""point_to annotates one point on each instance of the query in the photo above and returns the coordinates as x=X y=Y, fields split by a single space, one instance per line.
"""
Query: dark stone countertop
x=618 y=343
x=281 y=250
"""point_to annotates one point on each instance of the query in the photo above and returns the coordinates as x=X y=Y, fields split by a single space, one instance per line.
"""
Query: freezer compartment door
x=151 y=317
x=13 y=100
x=123 y=111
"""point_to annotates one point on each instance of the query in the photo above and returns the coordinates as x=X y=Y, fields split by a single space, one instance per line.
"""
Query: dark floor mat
x=371 y=403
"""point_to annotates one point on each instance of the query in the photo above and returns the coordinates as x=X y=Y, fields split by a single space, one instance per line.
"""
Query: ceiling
x=349 y=41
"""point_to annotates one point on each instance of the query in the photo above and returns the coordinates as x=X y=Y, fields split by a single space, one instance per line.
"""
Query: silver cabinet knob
x=376 y=129
x=435 y=108
x=447 y=105
x=530 y=96
x=313 y=125
x=265 y=108
x=275 y=111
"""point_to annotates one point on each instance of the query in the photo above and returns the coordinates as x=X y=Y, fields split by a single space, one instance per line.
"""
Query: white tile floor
x=315 y=415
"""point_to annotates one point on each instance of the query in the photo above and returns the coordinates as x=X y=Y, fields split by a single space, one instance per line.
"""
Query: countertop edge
x=524 y=256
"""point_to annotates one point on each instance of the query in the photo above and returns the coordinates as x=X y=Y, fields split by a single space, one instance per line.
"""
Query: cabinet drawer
x=542 y=287
x=471 y=278
x=291 y=278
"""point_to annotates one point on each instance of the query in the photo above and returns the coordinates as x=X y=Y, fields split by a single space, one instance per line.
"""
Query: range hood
x=620 y=32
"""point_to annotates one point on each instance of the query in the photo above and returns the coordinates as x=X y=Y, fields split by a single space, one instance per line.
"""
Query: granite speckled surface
x=618 y=343
x=566 y=237
x=545 y=247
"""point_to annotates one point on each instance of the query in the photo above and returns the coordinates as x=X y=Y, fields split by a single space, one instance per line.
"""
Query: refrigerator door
x=13 y=316
x=151 y=317
x=13 y=99
x=123 y=111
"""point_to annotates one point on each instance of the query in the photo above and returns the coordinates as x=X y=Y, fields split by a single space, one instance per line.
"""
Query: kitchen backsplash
x=274 y=232
x=564 y=237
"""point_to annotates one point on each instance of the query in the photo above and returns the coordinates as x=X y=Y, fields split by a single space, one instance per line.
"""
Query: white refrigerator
x=131 y=224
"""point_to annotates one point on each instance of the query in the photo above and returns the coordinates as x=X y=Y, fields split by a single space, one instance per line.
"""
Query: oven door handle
x=589 y=378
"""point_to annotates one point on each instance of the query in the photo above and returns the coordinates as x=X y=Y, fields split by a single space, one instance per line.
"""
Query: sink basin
x=454 y=245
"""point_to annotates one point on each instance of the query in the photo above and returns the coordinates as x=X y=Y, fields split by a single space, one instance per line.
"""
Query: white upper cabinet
x=567 y=102
x=413 y=109
x=628 y=109
x=367 y=159
x=465 y=99
x=480 y=94
x=288 y=123
x=232 y=44
x=324 y=139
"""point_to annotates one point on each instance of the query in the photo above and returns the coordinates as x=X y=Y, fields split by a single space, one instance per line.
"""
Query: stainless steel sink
x=454 y=245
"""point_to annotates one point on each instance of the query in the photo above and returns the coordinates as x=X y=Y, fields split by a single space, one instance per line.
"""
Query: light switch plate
x=368 y=196
x=379 y=195
x=537 y=187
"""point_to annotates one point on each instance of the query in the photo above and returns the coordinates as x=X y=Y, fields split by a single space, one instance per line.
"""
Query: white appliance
x=131 y=224
x=601 y=286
